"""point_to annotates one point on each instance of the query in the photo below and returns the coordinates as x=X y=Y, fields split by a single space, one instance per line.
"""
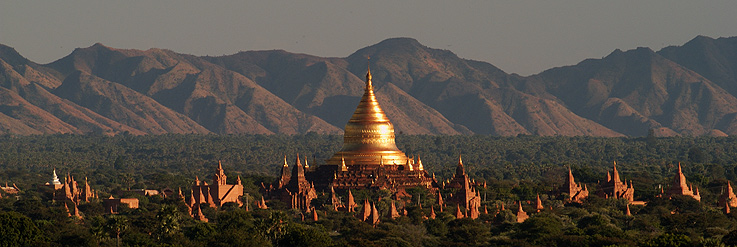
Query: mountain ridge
x=678 y=90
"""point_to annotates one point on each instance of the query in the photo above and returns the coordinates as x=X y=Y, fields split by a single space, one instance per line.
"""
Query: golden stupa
x=369 y=135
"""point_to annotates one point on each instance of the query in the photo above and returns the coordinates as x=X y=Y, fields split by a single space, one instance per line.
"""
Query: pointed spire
x=351 y=201
x=409 y=165
x=262 y=205
x=55 y=179
x=368 y=73
x=521 y=214
x=238 y=180
x=726 y=208
x=615 y=173
x=460 y=171
x=627 y=212
x=475 y=211
x=314 y=214
x=343 y=167
x=393 y=211
x=210 y=201
x=335 y=201
x=570 y=180
x=419 y=164
x=285 y=161
x=432 y=213
x=199 y=216
x=374 y=215
x=191 y=198
x=366 y=210
x=728 y=195
x=539 y=204
x=459 y=214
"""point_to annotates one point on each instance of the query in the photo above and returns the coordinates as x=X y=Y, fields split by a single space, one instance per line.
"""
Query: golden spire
x=368 y=73
x=419 y=162
x=368 y=134
x=342 y=165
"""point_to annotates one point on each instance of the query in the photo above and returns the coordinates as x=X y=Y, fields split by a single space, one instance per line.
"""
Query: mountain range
x=679 y=90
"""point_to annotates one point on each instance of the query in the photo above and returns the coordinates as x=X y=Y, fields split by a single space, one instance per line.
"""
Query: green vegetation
x=515 y=168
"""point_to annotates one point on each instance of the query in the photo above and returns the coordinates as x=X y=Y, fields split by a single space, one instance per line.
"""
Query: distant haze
x=524 y=37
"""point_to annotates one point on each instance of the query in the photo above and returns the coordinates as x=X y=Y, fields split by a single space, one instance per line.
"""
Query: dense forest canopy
x=171 y=160
x=515 y=168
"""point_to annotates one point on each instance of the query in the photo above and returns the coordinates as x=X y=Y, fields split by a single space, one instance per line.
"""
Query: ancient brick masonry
x=217 y=193
x=576 y=192
x=728 y=197
x=679 y=186
x=297 y=191
x=613 y=187
x=465 y=195
x=70 y=189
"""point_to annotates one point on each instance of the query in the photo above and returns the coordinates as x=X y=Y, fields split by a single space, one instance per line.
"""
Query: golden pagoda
x=369 y=135
x=369 y=158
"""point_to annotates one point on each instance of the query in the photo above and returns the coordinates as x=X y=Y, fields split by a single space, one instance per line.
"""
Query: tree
x=116 y=224
x=169 y=220
x=540 y=226
x=17 y=230
x=730 y=239
x=669 y=240
x=303 y=235
x=468 y=231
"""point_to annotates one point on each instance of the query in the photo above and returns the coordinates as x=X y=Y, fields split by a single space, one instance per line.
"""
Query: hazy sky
x=518 y=36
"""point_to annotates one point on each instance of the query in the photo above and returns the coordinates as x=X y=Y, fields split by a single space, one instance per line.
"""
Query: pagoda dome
x=369 y=135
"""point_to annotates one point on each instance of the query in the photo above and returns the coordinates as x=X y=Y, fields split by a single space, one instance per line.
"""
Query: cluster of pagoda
x=369 y=160
x=614 y=187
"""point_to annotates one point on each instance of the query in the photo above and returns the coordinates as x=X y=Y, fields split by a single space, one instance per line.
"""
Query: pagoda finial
x=343 y=167
x=368 y=73
x=55 y=179
x=220 y=165
x=419 y=163
x=285 y=161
